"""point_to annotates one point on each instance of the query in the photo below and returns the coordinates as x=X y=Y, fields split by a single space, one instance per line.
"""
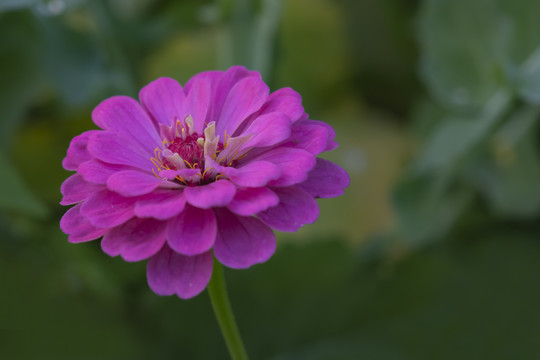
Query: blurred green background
x=432 y=253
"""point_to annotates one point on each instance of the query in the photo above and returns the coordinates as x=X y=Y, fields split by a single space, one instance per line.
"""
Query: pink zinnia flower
x=211 y=167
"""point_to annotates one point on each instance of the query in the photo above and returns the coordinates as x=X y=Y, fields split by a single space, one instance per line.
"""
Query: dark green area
x=473 y=296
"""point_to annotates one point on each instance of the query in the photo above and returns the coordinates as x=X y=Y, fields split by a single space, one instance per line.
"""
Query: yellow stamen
x=225 y=140
x=181 y=179
x=178 y=128
x=157 y=163
x=204 y=172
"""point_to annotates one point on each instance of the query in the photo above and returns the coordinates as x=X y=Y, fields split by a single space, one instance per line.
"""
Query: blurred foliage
x=479 y=59
x=436 y=106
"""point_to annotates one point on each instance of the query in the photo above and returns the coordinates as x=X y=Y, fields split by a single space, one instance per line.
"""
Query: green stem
x=225 y=317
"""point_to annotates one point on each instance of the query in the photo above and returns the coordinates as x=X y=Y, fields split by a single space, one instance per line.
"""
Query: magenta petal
x=229 y=78
x=250 y=201
x=171 y=273
x=253 y=174
x=163 y=99
x=330 y=143
x=135 y=240
x=188 y=175
x=107 y=209
x=198 y=102
x=218 y=193
x=133 y=183
x=77 y=226
x=309 y=136
x=295 y=209
x=213 y=76
x=98 y=172
x=286 y=101
x=242 y=241
x=268 y=129
x=246 y=97
x=124 y=115
x=192 y=232
x=326 y=180
x=75 y=190
x=161 y=205
x=77 y=152
x=114 y=149
x=221 y=83
x=293 y=163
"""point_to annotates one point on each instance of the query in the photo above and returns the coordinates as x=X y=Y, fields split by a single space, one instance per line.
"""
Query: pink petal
x=213 y=76
x=115 y=149
x=308 y=136
x=296 y=208
x=192 y=232
x=330 y=143
x=161 y=205
x=124 y=115
x=268 y=129
x=135 y=240
x=242 y=241
x=250 y=201
x=107 y=209
x=171 y=273
x=75 y=190
x=326 y=180
x=221 y=83
x=246 y=97
x=198 y=102
x=253 y=174
x=286 y=91
x=186 y=174
x=77 y=152
x=294 y=164
x=163 y=99
x=218 y=193
x=98 y=172
x=286 y=101
x=77 y=226
x=134 y=183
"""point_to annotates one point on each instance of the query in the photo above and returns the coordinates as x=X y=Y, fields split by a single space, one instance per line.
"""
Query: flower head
x=211 y=167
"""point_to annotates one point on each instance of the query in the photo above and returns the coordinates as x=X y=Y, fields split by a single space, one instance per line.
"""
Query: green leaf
x=459 y=50
x=14 y=195
x=469 y=48
x=72 y=61
x=454 y=138
x=428 y=206
x=527 y=79
x=509 y=179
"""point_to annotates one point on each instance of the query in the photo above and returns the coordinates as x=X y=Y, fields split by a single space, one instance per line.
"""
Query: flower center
x=182 y=158
x=185 y=153
x=189 y=149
